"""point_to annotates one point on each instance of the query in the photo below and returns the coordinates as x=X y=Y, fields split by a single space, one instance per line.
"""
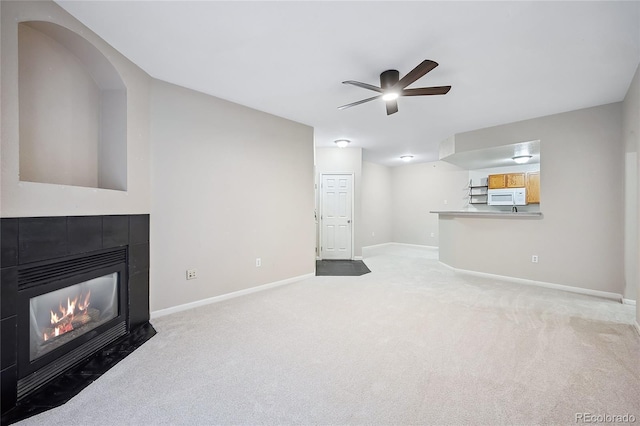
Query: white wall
x=20 y=199
x=418 y=189
x=230 y=184
x=579 y=240
x=376 y=204
x=347 y=160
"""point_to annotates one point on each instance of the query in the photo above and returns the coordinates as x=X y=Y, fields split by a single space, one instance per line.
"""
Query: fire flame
x=64 y=322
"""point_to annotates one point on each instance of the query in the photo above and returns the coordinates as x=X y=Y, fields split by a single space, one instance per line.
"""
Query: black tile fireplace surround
x=67 y=247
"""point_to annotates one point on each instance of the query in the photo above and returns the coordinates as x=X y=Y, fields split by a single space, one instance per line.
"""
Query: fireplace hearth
x=75 y=297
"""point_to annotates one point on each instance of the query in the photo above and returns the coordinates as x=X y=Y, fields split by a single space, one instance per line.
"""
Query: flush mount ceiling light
x=406 y=158
x=342 y=143
x=521 y=159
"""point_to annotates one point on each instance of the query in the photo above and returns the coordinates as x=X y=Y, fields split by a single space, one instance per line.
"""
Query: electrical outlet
x=258 y=262
x=433 y=234
x=192 y=274
x=534 y=258
x=446 y=202
x=373 y=234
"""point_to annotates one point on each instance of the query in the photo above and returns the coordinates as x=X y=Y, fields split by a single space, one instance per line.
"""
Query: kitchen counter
x=499 y=214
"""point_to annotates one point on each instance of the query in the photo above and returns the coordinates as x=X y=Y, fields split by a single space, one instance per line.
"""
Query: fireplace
x=75 y=292
x=58 y=317
x=67 y=309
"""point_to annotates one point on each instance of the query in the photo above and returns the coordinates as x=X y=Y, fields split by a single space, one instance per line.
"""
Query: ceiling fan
x=392 y=87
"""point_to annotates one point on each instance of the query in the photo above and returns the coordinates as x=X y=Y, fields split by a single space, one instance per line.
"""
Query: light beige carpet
x=410 y=343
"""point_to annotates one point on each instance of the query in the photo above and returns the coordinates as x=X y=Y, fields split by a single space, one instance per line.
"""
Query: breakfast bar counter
x=493 y=242
x=500 y=214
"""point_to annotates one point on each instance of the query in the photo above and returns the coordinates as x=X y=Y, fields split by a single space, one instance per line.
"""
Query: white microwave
x=507 y=197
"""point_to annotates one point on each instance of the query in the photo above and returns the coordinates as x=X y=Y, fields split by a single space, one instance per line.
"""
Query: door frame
x=321 y=207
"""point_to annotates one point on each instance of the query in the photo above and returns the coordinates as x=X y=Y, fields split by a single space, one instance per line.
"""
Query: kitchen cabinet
x=507 y=180
x=497 y=181
x=533 y=187
x=529 y=180
x=515 y=180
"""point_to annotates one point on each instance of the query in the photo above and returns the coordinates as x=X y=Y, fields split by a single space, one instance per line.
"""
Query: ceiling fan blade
x=421 y=91
x=423 y=68
x=392 y=107
x=363 y=85
x=358 y=103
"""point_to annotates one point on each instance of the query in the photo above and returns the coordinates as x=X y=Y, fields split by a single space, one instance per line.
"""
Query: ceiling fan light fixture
x=406 y=158
x=342 y=143
x=390 y=96
x=521 y=159
x=392 y=86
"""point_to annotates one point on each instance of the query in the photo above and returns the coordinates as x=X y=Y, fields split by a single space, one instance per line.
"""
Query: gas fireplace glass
x=60 y=316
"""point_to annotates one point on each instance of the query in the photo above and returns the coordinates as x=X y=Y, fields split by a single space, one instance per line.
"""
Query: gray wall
x=630 y=132
x=418 y=189
x=376 y=204
x=20 y=199
x=59 y=113
x=230 y=184
x=579 y=240
x=631 y=136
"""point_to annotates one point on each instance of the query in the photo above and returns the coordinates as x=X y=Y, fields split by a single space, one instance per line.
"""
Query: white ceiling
x=506 y=61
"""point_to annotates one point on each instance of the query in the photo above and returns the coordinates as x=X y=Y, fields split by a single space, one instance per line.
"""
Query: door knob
x=349 y=221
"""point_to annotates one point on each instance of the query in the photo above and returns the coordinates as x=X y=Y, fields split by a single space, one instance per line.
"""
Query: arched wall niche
x=72 y=110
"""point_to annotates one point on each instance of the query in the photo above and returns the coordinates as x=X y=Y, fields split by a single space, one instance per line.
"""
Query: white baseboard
x=210 y=300
x=400 y=244
x=415 y=245
x=597 y=293
x=629 y=302
x=377 y=245
x=354 y=258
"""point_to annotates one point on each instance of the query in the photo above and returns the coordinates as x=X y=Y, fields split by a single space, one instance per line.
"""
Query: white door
x=336 y=192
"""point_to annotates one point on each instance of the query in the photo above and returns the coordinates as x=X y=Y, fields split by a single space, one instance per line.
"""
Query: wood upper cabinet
x=530 y=181
x=508 y=180
x=533 y=187
x=515 y=180
x=497 y=181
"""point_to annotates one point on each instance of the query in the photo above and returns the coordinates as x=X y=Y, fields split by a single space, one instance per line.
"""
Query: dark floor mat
x=341 y=268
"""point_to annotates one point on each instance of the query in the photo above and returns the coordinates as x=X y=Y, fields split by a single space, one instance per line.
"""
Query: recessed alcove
x=72 y=110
